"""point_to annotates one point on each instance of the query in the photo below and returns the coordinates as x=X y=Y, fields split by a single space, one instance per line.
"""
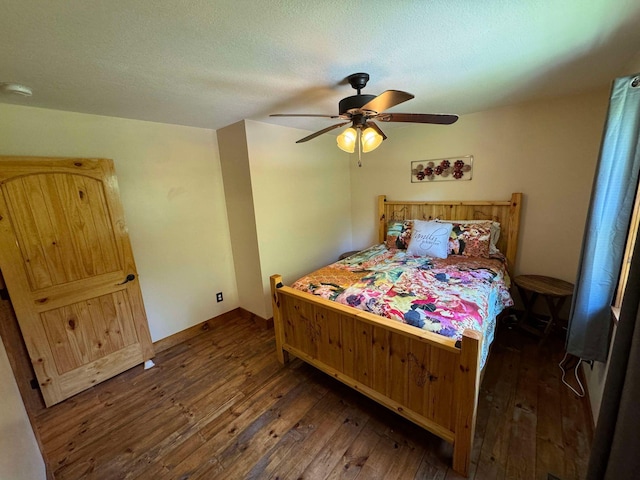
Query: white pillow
x=495 y=231
x=429 y=239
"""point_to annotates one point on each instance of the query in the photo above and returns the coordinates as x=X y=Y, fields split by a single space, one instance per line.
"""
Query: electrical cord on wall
x=575 y=373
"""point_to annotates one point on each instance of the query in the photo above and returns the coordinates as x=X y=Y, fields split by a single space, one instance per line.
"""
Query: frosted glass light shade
x=347 y=140
x=370 y=140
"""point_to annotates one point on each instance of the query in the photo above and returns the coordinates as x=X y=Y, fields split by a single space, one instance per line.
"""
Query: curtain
x=616 y=444
x=612 y=197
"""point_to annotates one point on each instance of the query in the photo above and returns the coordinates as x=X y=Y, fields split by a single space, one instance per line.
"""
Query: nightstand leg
x=554 y=310
x=528 y=303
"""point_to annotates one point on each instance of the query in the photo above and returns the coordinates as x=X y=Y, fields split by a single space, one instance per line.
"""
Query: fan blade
x=320 y=132
x=377 y=129
x=386 y=100
x=301 y=115
x=438 y=118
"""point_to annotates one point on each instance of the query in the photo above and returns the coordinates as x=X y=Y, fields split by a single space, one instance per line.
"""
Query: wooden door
x=65 y=256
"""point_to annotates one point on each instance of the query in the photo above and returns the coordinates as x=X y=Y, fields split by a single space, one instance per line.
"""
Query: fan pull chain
x=359 y=141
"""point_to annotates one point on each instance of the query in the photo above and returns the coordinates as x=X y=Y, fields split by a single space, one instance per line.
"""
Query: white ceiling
x=210 y=63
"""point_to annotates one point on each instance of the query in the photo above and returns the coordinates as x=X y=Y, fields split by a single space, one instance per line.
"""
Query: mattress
x=444 y=296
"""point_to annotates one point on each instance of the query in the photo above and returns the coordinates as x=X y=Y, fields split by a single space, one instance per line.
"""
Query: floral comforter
x=444 y=296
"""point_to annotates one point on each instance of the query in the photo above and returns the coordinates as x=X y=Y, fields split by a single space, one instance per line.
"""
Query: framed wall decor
x=442 y=169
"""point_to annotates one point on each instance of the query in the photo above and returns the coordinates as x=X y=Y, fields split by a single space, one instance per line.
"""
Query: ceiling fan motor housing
x=355 y=102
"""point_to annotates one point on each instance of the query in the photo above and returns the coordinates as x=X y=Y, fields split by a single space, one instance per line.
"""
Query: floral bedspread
x=444 y=296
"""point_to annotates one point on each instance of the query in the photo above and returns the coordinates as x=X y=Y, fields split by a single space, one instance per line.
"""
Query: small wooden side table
x=554 y=291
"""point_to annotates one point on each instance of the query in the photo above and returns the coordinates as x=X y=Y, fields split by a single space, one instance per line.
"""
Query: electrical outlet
x=219 y=297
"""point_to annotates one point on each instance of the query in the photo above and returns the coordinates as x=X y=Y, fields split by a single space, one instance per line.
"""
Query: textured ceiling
x=210 y=63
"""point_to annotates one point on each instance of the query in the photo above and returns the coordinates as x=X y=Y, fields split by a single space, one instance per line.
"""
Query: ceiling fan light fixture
x=16 y=89
x=347 y=140
x=370 y=140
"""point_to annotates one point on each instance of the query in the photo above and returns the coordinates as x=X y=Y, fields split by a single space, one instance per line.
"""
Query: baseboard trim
x=265 y=323
x=188 y=333
x=585 y=385
x=48 y=471
x=191 y=332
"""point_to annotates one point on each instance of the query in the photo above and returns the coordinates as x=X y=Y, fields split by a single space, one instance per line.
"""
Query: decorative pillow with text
x=429 y=239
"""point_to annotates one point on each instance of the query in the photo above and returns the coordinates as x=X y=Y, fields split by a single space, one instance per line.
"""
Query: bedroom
x=173 y=192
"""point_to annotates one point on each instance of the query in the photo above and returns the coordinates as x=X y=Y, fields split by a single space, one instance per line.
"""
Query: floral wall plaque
x=452 y=168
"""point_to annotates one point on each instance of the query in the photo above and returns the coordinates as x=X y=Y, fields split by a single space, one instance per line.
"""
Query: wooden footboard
x=431 y=380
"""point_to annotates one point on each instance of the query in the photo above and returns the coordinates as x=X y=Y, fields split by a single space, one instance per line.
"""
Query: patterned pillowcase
x=495 y=232
x=470 y=239
x=399 y=234
x=394 y=229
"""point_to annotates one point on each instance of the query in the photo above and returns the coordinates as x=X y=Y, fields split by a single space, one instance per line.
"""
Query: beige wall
x=301 y=202
x=171 y=188
x=546 y=149
x=234 y=159
x=20 y=457
x=633 y=67
x=302 y=199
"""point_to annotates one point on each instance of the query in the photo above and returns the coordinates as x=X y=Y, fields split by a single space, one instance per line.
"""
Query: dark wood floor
x=220 y=406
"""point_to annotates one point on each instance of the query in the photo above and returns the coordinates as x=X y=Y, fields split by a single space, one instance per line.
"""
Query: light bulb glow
x=370 y=140
x=347 y=140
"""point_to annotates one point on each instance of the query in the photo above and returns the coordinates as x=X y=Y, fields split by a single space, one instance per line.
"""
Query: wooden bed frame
x=429 y=379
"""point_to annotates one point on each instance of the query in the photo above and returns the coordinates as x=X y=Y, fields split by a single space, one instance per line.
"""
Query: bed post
x=467 y=385
x=382 y=221
x=276 y=282
x=512 y=232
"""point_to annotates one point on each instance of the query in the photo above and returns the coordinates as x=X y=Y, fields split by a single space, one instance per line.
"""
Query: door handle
x=130 y=278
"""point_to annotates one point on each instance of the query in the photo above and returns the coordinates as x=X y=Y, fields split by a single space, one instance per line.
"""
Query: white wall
x=546 y=149
x=171 y=189
x=20 y=457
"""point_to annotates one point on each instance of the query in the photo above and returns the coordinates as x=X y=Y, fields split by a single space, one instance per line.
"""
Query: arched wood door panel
x=65 y=255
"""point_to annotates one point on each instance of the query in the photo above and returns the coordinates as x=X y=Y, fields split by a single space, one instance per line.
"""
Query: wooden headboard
x=506 y=212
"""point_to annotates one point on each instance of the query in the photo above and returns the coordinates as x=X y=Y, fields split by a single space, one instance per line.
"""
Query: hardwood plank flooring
x=219 y=406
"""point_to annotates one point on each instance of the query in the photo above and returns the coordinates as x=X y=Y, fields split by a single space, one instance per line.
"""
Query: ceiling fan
x=361 y=109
